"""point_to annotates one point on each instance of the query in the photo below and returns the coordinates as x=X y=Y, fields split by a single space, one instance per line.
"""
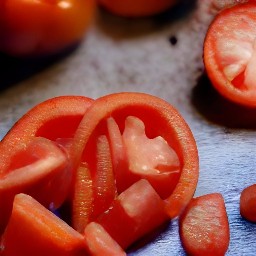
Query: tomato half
x=230 y=53
x=137 y=8
x=160 y=119
x=44 y=27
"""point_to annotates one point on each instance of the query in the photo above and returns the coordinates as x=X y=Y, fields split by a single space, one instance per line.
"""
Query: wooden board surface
x=141 y=55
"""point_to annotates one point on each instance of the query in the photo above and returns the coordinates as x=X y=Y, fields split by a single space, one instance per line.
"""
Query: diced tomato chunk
x=204 y=226
x=34 y=230
x=99 y=242
x=136 y=212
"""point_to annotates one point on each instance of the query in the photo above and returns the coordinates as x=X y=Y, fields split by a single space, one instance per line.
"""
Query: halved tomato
x=230 y=53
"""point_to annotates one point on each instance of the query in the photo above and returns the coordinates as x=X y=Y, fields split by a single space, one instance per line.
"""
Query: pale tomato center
x=236 y=48
x=147 y=155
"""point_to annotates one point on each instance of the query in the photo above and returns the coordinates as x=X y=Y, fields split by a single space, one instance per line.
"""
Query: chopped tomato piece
x=248 y=203
x=151 y=159
x=99 y=242
x=33 y=230
x=136 y=211
x=204 y=227
x=231 y=66
x=35 y=170
x=103 y=180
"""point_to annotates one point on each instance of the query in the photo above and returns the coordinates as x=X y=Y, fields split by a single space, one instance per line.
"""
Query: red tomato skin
x=35 y=28
x=140 y=8
x=204 y=227
x=151 y=110
x=248 y=203
x=33 y=230
x=232 y=90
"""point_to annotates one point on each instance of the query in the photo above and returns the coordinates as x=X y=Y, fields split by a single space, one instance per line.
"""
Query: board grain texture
x=161 y=56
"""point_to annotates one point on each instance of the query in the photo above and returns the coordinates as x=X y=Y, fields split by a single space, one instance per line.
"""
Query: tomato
x=230 y=53
x=135 y=212
x=45 y=27
x=99 y=242
x=39 y=166
x=20 y=150
x=33 y=230
x=160 y=119
x=94 y=190
x=247 y=203
x=139 y=8
x=204 y=227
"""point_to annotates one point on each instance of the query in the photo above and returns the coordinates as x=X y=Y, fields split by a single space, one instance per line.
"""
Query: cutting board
x=162 y=56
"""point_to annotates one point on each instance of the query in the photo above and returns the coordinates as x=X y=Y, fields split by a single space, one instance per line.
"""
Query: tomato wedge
x=160 y=119
x=33 y=230
x=247 y=203
x=230 y=53
x=204 y=227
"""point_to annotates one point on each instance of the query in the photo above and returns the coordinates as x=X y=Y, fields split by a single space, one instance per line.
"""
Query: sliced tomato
x=99 y=242
x=248 y=203
x=160 y=119
x=204 y=227
x=33 y=230
x=230 y=53
x=37 y=169
x=137 y=211
x=139 y=9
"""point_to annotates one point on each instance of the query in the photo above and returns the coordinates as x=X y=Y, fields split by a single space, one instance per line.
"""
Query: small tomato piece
x=82 y=200
x=204 y=227
x=44 y=27
x=230 y=53
x=140 y=8
x=99 y=242
x=248 y=203
x=136 y=211
x=33 y=230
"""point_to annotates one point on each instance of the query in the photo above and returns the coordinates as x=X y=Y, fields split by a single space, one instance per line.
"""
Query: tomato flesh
x=39 y=233
x=136 y=211
x=99 y=242
x=204 y=227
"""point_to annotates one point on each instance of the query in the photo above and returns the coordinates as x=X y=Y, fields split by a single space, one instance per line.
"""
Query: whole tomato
x=138 y=8
x=42 y=27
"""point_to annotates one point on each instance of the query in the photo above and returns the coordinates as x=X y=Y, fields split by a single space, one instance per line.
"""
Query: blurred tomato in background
x=30 y=28
x=138 y=8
